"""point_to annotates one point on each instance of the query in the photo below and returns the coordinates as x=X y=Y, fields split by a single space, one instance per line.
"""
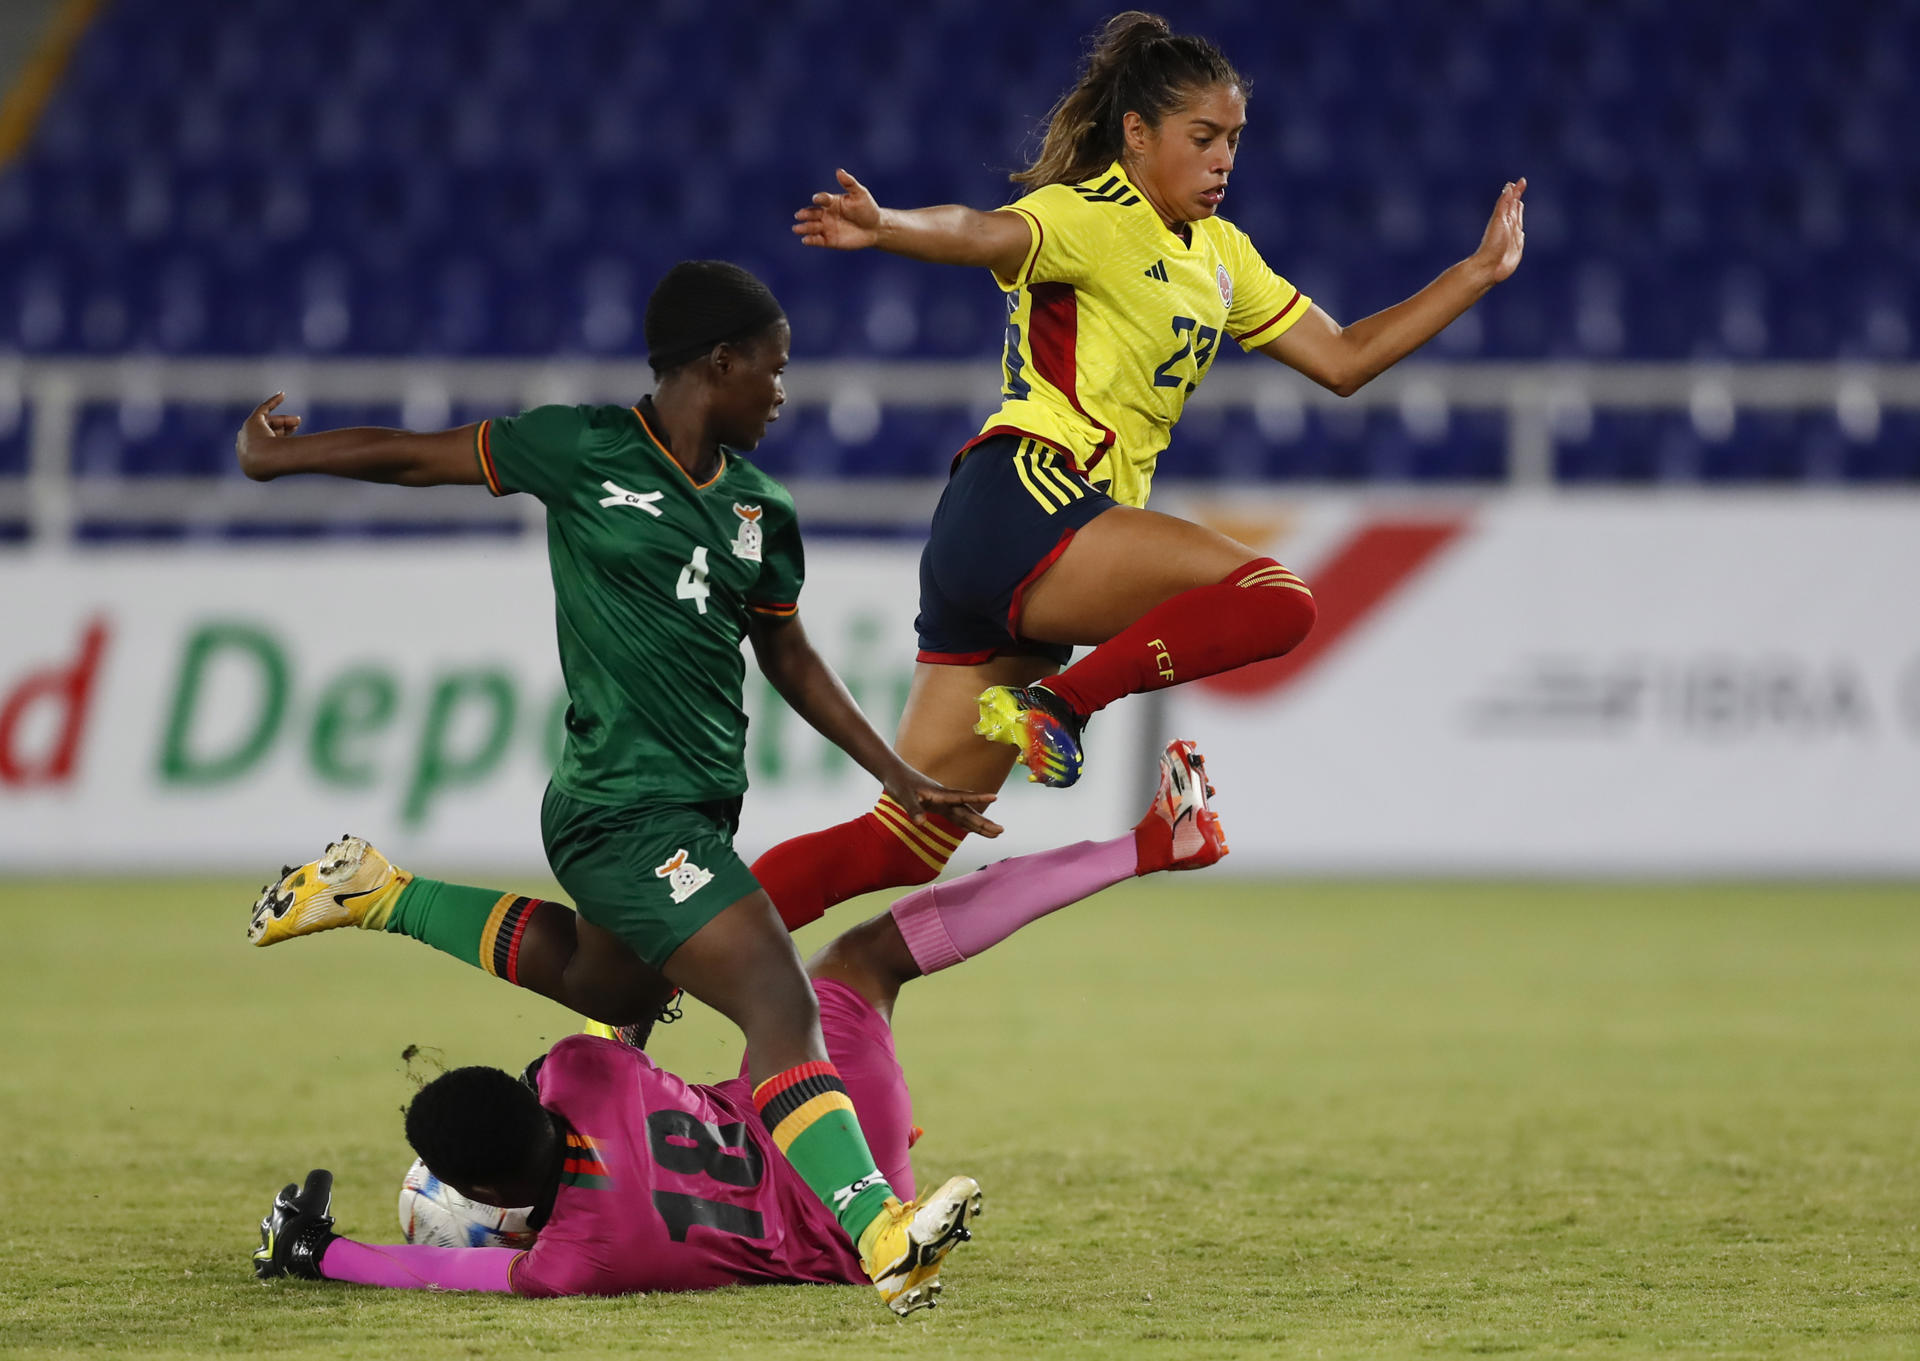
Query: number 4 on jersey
x=693 y=580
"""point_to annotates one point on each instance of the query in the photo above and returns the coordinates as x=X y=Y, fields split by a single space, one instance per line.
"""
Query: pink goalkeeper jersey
x=670 y=1186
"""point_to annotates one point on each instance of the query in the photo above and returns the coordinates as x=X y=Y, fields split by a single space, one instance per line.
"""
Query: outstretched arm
x=947 y=235
x=814 y=692
x=416 y=1266
x=1345 y=359
x=268 y=448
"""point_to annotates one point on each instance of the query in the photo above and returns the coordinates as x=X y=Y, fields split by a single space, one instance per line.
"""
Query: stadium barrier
x=1539 y=402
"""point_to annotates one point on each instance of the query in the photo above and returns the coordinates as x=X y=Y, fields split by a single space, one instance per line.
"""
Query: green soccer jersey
x=654 y=579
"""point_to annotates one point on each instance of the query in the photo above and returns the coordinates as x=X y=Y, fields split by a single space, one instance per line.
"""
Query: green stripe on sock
x=449 y=917
x=831 y=1154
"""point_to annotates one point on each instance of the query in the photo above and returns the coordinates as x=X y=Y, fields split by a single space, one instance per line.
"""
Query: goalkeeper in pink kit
x=642 y=1182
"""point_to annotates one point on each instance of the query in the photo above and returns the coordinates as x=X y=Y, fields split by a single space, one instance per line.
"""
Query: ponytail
x=1136 y=64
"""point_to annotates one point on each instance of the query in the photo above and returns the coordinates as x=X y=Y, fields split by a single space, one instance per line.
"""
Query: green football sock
x=479 y=926
x=808 y=1113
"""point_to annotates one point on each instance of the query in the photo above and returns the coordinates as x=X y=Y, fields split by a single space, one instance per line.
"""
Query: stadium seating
x=389 y=177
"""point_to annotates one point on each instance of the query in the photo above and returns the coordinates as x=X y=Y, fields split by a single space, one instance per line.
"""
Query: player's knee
x=1295 y=618
x=1281 y=602
x=917 y=873
x=785 y=1001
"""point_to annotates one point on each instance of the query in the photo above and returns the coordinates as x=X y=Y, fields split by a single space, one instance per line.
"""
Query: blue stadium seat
x=16 y=432
x=408 y=177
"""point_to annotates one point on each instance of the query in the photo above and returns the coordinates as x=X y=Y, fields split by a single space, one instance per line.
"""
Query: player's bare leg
x=947 y=923
x=882 y=849
x=936 y=727
x=590 y=970
x=1119 y=566
x=1164 y=601
x=744 y=965
x=531 y=942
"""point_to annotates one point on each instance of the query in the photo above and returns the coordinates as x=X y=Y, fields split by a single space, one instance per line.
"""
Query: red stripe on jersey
x=1033 y=248
x=1277 y=316
x=1053 y=336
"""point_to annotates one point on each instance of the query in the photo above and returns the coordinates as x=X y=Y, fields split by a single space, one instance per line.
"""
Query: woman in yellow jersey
x=1122 y=284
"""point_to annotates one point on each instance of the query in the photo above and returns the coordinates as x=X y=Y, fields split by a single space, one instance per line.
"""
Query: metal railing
x=1534 y=398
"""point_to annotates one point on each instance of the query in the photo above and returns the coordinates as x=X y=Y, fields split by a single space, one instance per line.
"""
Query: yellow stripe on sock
x=1266 y=574
x=904 y=831
x=803 y=1117
x=932 y=833
x=492 y=929
x=927 y=838
x=1280 y=584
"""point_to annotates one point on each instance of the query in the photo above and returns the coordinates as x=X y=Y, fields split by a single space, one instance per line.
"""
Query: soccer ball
x=433 y=1212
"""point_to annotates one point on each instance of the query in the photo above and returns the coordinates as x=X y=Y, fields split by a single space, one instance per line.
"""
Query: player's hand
x=1506 y=235
x=848 y=221
x=918 y=794
x=254 y=442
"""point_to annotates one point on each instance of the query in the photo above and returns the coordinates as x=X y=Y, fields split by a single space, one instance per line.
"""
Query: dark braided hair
x=1137 y=64
x=476 y=1125
x=701 y=304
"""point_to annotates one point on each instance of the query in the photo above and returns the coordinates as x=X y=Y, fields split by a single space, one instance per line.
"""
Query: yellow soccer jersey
x=1113 y=319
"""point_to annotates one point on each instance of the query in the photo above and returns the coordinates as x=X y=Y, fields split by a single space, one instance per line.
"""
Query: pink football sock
x=946 y=923
x=418 y=1266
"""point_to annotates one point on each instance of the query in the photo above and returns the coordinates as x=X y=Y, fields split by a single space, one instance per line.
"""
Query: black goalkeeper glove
x=296 y=1231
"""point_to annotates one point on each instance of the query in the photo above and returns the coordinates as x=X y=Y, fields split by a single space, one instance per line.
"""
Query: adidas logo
x=1113 y=190
x=1157 y=270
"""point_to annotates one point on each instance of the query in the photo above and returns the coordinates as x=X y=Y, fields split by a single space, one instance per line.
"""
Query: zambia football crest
x=683 y=877
x=746 y=543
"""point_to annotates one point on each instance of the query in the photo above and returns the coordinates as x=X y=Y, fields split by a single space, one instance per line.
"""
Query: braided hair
x=701 y=304
x=476 y=1125
x=1137 y=64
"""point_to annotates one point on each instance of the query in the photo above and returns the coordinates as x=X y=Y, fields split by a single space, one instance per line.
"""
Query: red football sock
x=1261 y=610
x=883 y=849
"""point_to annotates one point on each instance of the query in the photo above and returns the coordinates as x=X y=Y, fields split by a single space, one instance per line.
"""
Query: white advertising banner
x=228 y=710
x=1723 y=685
x=1582 y=685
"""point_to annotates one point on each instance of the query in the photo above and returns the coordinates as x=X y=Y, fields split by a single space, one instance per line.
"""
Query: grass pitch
x=1213 y=1119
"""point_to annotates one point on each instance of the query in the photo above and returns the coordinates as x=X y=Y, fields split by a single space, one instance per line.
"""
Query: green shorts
x=653 y=874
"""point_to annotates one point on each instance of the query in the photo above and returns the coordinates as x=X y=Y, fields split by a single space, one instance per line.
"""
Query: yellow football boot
x=903 y=1249
x=1040 y=725
x=352 y=884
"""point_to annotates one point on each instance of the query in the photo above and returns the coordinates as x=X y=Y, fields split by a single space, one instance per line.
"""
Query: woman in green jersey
x=668 y=549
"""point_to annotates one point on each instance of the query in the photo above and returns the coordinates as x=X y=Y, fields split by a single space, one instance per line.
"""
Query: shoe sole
x=1051 y=758
x=1213 y=834
x=338 y=864
x=932 y=1241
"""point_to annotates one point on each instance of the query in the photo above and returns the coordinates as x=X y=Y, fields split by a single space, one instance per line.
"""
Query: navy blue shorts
x=1010 y=509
